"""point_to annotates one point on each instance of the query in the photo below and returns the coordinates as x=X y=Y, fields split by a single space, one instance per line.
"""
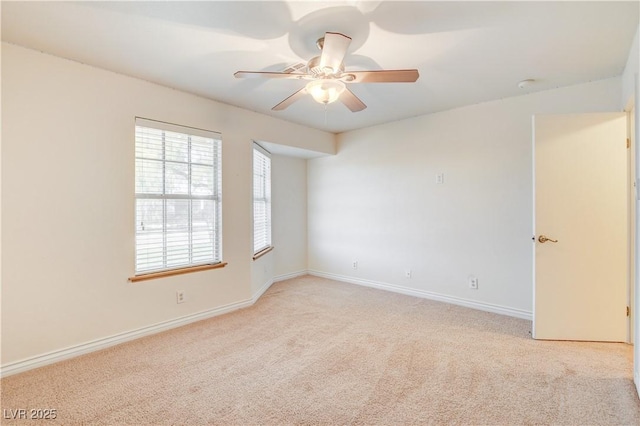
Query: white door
x=580 y=285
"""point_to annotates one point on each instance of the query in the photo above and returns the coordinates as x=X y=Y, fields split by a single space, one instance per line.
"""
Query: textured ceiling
x=466 y=52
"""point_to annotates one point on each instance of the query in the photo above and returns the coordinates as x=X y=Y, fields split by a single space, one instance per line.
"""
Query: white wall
x=289 y=182
x=289 y=224
x=629 y=102
x=377 y=200
x=68 y=205
x=630 y=73
x=635 y=240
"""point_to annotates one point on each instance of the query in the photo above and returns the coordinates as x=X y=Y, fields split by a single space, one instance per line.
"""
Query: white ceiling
x=466 y=52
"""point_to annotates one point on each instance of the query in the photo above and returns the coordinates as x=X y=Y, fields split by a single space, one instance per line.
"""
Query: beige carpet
x=315 y=351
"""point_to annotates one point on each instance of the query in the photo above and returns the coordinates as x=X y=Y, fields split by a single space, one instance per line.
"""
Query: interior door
x=580 y=227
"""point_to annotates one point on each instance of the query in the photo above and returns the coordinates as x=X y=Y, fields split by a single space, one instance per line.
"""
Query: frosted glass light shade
x=325 y=91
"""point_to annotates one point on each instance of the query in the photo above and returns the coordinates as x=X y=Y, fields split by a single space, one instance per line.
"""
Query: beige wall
x=630 y=96
x=289 y=182
x=289 y=224
x=630 y=73
x=377 y=200
x=68 y=205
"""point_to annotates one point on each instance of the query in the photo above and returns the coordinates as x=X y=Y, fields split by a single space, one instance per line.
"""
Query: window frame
x=267 y=200
x=193 y=137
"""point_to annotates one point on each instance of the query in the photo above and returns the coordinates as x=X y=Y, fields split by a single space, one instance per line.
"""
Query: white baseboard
x=496 y=309
x=290 y=276
x=261 y=291
x=95 y=345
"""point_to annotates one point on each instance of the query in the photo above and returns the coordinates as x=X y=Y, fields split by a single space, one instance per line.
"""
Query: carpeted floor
x=315 y=351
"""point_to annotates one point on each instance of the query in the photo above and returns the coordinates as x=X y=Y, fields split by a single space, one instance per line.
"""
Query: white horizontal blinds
x=178 y=196
x=261 y=199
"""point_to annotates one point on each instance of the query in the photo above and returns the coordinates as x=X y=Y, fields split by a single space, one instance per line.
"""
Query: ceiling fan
x=328 y=77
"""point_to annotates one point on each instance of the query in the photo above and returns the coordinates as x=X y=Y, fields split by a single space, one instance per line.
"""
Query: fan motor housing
x=314 y=68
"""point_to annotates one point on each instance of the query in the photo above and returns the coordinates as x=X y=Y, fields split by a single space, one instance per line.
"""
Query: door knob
x=544 y=239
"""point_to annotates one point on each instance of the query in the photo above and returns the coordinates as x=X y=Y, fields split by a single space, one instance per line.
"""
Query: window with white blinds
x=261 y=199
x=178 y=197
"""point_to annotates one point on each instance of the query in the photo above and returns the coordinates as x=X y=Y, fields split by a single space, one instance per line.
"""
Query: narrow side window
x=261 y=199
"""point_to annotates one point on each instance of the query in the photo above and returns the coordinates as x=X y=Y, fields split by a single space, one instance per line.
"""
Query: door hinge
x=628 y=143
x=628 y=311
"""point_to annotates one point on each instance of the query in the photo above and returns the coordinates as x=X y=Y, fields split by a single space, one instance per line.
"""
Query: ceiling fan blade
x=382 y=76
x=263 y=74
x=352 y=101
x=291 y=99
x=334 y=48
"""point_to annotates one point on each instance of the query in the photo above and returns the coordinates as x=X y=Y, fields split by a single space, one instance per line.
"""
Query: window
x=178 y=197
x=261 y=199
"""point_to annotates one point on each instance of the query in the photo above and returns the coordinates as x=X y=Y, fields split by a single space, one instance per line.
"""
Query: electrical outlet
x=355 y=264
x=473 y=283
x=440 y=178
x=407 y=273
x=180 y=298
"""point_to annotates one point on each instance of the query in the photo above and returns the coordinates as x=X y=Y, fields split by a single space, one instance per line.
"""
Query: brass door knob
x=544 y=239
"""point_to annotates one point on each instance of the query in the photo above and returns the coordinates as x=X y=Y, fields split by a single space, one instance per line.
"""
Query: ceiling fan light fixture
x=327 y=77
x=325 y=91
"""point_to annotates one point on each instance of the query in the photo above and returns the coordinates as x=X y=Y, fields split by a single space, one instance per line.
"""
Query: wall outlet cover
x=473 y=283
